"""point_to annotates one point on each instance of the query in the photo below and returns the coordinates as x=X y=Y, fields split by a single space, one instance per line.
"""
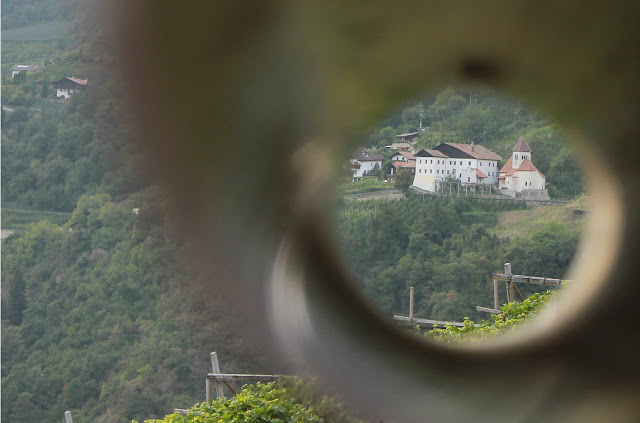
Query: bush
x=287 y=400
x=512 y=315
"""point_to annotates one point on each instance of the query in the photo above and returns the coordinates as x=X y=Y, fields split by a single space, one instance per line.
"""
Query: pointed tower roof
x=522 y=146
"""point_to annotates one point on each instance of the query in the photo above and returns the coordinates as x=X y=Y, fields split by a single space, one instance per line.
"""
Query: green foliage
x=363 y=186
x=95 y=318
x=282 y=401
x=513 y=314
x=17 y=218
x=403 y=179
x=19 y=13
x=443 y=247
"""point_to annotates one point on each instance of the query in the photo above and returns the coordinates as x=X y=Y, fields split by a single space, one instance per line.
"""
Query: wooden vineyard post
x=215 y=368
x=67 y=417
x=496 y=295
x=207 y=390
x=411 y=306
x=509 y=283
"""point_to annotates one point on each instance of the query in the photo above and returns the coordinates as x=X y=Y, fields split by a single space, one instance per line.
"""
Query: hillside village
x=458 y=164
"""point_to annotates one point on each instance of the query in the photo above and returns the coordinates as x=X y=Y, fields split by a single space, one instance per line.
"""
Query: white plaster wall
x=530 y=180
x=365 y=167
x=469 y=176
x=425 y=173
x=489 y=168
x=60 y=92
x=515 y=163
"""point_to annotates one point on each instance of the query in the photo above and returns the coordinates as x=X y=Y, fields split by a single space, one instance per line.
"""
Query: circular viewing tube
x=247 y=108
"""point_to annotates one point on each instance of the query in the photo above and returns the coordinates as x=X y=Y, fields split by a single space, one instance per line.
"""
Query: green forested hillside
x=97 y=319
x=444 y=247
x=20 y=13
x=97 y=316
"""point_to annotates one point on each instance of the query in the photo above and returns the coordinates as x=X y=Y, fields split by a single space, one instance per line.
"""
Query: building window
x=468 y=179
x=469 y=163
x=430 y=170
x=431 y=161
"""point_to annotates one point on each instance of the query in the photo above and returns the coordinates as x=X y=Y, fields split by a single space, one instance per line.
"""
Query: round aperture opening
x=462 y=214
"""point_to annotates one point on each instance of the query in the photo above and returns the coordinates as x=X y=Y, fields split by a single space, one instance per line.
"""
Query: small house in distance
x=519 y=177
x=399 y=165
x=363 y=163
x=410 y=137
x=401 y=146
x=403 y=156
x=66 y=87
x=402 y=159
x=16 y=69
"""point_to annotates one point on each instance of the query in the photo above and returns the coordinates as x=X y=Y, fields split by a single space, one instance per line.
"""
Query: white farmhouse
x=65 y=87
x=467 y=163
x=520 y=177
x=403 y=156
x=364 y=163
x=402 y=160
x=22 y=68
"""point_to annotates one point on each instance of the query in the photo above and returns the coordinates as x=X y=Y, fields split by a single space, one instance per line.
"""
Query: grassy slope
x=520 y=223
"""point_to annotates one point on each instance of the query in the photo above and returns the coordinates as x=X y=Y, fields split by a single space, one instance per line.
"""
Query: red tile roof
x=528 y=166
x=430 y=153
x=366 y=156
x=480 y=174
x=525 y=166
x=508 y=167
x=407 y=154
x=475 y=151
x=401 y=164
x=522 y=146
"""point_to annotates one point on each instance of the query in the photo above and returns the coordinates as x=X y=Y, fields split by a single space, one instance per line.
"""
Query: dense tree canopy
x=444 y=249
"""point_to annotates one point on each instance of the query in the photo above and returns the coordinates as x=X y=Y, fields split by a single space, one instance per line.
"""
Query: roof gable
x=467 y=151
x=430 y=153
x=365 y=156
x=401 y=164
x=522 y=146
x=528 y=166
x=74 y=80
x=508 y=166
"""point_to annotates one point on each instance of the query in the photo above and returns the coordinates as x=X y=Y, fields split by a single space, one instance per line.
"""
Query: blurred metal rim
x=238 y=101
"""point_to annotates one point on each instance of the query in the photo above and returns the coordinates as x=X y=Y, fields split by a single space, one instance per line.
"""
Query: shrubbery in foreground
x=512 y=314
x=287 y=400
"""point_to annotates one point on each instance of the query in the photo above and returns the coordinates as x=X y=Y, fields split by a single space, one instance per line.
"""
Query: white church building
x=519 y=177
x=467 y=163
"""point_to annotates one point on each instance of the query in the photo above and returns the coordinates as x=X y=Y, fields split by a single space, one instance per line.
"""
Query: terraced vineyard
x=48 y=54
x=17 y=218
x=27 y=52
x=62 y=67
